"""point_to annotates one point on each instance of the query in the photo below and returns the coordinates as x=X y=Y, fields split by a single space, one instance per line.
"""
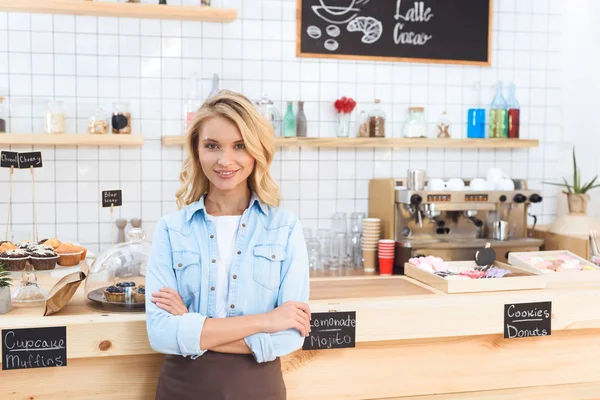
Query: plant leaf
x=574 y=171
x=589 y=185
x=569 y=187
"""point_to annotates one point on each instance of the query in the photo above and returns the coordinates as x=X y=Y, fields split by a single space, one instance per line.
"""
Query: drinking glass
x=339 y=251
x=324 y=236
x=356 y=219
x=314 y=254
x=339 y=223
x=308 y=233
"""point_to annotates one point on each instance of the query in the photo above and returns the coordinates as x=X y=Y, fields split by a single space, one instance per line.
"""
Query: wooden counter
x=411 y=342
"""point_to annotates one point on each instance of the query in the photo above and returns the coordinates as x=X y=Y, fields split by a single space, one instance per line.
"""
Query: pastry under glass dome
x=116 y=280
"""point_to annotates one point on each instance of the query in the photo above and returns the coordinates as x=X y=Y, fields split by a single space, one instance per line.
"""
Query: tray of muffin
x=45 y=255
x=125 y=295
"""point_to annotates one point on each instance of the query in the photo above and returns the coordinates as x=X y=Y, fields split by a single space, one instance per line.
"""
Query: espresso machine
x=451 y=224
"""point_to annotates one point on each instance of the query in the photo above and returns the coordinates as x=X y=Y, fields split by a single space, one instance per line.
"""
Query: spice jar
x=363 y=124
x=377 y=120
x=98 y=122
x=415 y=125
x=121 y=118
x=2 y=116
x=54 y=117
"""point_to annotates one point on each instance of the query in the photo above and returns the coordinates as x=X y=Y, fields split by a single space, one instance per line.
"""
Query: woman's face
x=223 y=155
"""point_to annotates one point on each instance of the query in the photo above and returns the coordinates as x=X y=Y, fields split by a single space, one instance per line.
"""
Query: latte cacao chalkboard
x=433 y=31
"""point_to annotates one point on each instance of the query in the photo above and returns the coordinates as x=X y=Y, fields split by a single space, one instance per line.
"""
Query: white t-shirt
x=226 y=227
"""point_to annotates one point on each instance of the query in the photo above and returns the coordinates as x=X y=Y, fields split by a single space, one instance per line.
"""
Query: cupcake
x=69 y=255
x=114 y=294
x=6 y=245
x=14 y=260
x=52 y=242
x=139 y=294
x=43 y=258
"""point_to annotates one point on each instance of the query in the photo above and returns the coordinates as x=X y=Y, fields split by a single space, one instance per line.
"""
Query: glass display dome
x=116 y=280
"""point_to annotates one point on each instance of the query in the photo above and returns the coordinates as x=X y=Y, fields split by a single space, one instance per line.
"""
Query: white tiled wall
x=95 y=60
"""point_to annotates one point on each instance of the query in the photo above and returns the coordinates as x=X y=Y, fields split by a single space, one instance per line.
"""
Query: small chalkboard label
x=527 y=320
x=9 y=159
x=34 y=348
x=33 y=159
x=112 y=198
x=331 y=330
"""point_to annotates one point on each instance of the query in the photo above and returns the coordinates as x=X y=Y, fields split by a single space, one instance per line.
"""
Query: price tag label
x=331 y=330
x=527 y=320
x=33 y=159
x=112 y=198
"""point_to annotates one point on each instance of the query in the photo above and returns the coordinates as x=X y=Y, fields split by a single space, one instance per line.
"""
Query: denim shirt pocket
x=267 y=264
x=186 y=265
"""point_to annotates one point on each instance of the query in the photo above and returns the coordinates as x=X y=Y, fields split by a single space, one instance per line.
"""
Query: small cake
x=43 y=258
x=69 y=255
x=7 y=246
x=52 y=242
x=115 y=294
x=14 y=260
x=139 y=294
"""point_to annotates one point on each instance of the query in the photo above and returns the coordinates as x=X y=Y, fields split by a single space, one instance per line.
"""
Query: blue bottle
x=476 y=123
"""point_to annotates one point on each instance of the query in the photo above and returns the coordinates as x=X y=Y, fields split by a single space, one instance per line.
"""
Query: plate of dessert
x=125 y=294
x=45 y=255
x=469 y=277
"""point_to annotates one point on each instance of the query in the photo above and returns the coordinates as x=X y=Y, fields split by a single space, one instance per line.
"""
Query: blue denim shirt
x=269 y=267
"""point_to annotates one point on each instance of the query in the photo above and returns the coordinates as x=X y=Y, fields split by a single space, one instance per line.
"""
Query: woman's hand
x=169 y=300
x=291 y=315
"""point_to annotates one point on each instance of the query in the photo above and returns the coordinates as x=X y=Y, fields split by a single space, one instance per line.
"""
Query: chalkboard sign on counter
x=34 y=348
x=9 y=159
x=331 y=330
x=436 y=31
x=32 y=159
x=527 y=320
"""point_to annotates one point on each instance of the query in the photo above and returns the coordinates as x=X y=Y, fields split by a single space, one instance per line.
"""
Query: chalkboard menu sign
x=451 y=31
x=9 y=159
x=32 y=159
x=331 y=330
x=112 y=198
x=527 y=320
x=34 y=348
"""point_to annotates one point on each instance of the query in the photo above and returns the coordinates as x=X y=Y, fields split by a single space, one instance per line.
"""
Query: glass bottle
x=377 y=120
x=192 y=102
x=476 y=115
x=215 y=85
x=54 y=117
x=2 y=116
x=444 y=126
x=270 y=112
x=289 y=122
x=415 y=125
x=301 y=124
x=363 y=124
x=121 y=118
x=98 y=122
x=513 y=112
x=498 y=115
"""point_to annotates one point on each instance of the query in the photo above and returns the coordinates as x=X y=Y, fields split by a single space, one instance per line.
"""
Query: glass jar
x=116 y=280
x=54 y=117
x=2 y=116
x=270 y=112
x=98 y=122
x=377 y=120
x=415 y=125
x=121 y=118
x=362 y=129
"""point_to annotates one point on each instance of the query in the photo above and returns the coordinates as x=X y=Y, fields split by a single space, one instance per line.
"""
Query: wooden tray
x=375 y=287
x=559 y=279
x=533 y=281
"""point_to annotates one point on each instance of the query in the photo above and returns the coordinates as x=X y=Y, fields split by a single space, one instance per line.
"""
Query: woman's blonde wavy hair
x=258 y=136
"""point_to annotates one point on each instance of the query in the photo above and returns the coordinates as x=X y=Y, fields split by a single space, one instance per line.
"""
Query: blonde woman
x=228 y=273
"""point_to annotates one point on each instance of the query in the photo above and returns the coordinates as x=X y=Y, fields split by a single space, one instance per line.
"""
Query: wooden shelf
x=69 y=139
x=130 y=10
x=388 y=142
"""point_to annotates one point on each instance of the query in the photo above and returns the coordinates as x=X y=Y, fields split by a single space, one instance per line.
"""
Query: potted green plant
x=5 y=283
x=577 y=196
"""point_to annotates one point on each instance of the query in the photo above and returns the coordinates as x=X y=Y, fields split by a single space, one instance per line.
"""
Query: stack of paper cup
x=386 y=256
x=370 y=238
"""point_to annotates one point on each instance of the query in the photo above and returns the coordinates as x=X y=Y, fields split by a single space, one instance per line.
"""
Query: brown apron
x=219 y=376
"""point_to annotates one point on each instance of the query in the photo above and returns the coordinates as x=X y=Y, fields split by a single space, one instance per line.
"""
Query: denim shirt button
x=239 y=252
x=214 y=261
x=232 y=306
x=243 y=225
x=212 y=236
x=180 y=265
x=212 y=288
x=235 y=277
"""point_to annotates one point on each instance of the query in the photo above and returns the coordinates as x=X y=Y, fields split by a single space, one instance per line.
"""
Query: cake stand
x=29 y=291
